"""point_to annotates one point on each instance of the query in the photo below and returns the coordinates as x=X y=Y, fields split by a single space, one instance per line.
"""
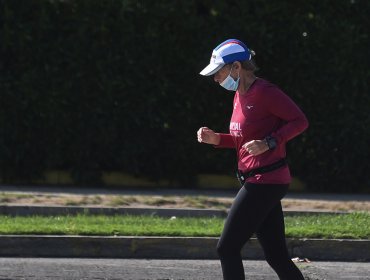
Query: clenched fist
x=206 y=135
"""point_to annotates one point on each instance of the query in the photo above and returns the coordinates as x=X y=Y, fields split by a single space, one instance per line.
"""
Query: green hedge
x=102 y=85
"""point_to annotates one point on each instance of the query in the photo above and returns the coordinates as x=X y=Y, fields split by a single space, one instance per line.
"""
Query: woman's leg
x=250 y=208
x=271 y=235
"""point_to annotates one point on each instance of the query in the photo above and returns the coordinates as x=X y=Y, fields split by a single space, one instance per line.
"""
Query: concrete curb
x=29 y=210
x=170 y=247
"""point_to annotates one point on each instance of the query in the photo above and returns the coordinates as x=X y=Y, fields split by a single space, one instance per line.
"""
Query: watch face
x=271 y=142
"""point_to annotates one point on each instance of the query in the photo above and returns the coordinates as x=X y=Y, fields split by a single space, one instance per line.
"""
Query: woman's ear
x=237 y=65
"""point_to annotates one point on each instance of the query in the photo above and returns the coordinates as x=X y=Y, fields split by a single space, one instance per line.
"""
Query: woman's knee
x=220 y=249
x=225 y=249
x=273 y=260
x=277 y=261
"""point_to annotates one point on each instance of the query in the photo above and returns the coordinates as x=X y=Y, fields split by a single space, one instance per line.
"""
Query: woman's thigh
x=271 y=233
x=250 y=208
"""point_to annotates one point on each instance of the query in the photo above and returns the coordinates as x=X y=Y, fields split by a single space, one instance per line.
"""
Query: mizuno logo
x=249 y=107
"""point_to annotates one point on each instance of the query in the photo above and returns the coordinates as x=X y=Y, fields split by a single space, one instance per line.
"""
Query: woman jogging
x=264 y=119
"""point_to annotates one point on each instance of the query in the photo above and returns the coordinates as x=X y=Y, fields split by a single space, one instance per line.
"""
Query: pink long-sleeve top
x=264 y=110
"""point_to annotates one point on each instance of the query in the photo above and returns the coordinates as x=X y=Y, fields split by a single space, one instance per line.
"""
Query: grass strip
x=354 y=225
x=346 y=226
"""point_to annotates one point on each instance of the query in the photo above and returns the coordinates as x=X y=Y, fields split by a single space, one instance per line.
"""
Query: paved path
x=172 y=191
x=131 y=269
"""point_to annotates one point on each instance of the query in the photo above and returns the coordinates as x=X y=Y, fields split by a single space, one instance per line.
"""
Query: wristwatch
x=271 y=142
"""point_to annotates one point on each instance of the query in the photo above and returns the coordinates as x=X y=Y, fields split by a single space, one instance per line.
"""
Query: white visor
x=211 y=69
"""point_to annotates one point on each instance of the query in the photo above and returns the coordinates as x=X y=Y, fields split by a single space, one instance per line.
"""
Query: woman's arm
x=226 y=141
x=280 y=105
x=218 y=140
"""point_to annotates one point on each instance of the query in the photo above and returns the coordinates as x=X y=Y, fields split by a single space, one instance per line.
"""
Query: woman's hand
x=256 y=147
x=206 y=135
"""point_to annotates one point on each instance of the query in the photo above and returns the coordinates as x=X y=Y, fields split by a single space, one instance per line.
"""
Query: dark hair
x=249 y=65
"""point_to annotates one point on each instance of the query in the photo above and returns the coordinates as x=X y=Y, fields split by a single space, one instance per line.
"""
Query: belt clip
x=240 y=175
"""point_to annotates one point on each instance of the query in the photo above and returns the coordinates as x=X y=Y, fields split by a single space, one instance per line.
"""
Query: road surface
x=133 y=269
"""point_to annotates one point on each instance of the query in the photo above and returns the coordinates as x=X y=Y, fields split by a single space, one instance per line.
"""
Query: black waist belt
x=242 y=176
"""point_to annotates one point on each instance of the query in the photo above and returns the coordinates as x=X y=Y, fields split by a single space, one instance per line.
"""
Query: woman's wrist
x=217 y=139
x=270 y=142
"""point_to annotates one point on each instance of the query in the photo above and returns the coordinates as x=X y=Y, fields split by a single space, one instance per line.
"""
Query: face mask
x=229 y=83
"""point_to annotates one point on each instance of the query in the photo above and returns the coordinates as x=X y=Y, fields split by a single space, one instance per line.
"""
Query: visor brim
x=211 y=69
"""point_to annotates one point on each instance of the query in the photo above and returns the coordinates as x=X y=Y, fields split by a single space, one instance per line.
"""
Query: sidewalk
x=173 y=191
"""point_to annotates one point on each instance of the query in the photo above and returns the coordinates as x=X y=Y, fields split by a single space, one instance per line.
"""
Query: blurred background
x=108 y=92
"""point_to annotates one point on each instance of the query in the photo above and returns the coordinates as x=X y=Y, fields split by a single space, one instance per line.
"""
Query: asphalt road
x=127 y=269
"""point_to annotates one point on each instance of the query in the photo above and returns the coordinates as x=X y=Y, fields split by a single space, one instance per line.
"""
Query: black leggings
x=256 y=209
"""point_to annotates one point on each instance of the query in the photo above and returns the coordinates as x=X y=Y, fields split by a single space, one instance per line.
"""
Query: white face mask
x=229 y=83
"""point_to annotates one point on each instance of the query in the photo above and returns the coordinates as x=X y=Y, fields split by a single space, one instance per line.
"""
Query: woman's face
x=221 y=74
